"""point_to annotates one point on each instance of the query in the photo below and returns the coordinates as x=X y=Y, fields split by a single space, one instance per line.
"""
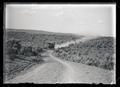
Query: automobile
x=51 y=45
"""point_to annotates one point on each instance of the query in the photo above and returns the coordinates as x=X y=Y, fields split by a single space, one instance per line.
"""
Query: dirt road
x=81 y=73
x=75 y=41
x=55 y=70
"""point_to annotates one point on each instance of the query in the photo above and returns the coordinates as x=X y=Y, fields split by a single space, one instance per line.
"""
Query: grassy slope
x=96 y=52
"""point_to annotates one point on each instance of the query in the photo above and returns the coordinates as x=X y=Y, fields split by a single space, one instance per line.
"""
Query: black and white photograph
x=59 y=43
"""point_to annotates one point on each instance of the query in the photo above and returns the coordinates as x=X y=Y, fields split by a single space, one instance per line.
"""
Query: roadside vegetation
x=18 y=57
x=95 y=52
x=22 y=49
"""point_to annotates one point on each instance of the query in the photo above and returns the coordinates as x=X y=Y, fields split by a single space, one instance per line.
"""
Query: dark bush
x=13 y=48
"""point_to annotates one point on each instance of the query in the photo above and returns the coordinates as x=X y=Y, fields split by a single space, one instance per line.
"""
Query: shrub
x=13 y=48
x=95 y=52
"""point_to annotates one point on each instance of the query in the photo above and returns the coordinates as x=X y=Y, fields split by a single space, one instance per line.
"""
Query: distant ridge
x=40 y=32
x=51 y=33
x=30 y=31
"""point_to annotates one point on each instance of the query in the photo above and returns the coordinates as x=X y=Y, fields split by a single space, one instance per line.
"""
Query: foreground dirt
x=55 y=70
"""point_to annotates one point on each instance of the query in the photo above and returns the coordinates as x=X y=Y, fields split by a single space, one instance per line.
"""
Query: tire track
x=68 y=74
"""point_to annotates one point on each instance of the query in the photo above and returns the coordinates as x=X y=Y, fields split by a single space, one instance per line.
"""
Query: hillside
x=35 y=37
x=25 y=48
x=95 y=52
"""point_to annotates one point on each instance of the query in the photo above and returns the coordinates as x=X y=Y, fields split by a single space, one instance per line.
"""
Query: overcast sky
x=66 y=18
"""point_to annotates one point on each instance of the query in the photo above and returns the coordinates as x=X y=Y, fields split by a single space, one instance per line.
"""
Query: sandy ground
x=55 y=70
